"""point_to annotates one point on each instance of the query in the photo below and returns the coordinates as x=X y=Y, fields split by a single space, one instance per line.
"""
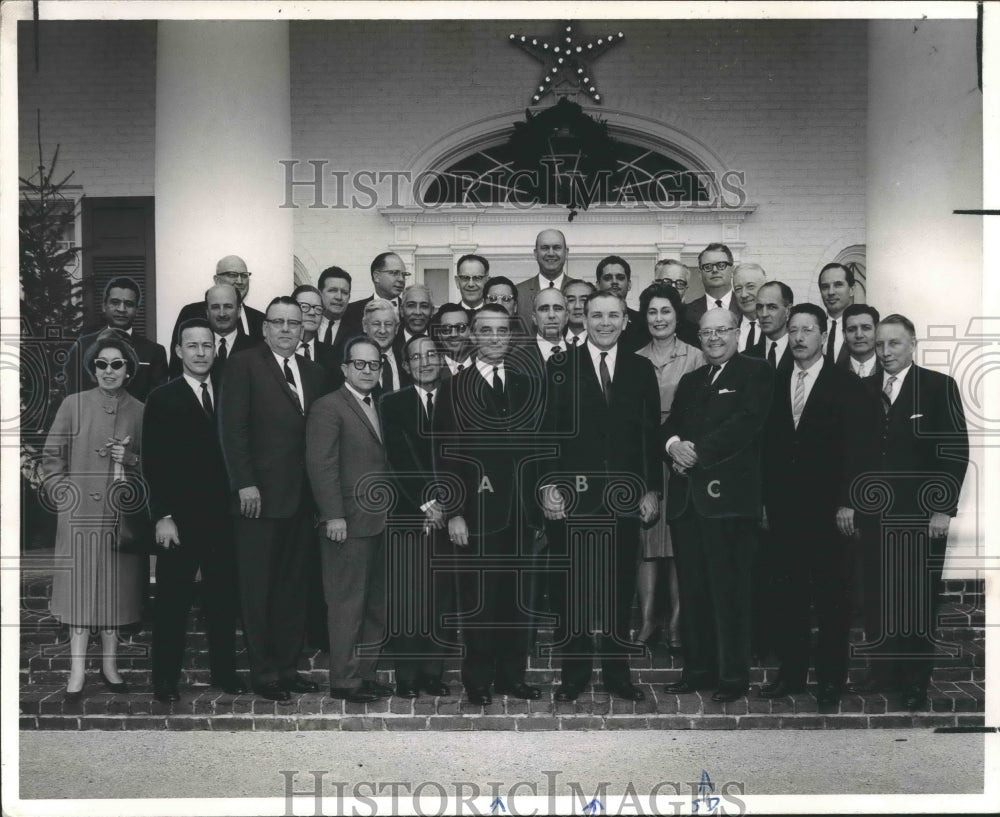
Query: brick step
x=204 y=708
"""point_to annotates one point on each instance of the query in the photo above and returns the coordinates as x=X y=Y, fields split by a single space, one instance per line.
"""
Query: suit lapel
x=279 y=375
x=352 y=405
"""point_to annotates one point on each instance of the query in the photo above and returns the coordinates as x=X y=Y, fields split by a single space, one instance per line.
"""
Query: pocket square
x=915 y=416
x=726 y=391
x=143 y=362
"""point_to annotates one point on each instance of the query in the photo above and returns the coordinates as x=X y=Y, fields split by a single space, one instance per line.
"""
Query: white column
x=925 y=152
x=223 y=123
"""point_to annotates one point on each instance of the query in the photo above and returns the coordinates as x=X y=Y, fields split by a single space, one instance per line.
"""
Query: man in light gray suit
x=344 y=458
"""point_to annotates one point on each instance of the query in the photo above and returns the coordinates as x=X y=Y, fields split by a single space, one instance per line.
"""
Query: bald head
x=550 y=313
x=222 y=308
x=233 y=270
x=550 y=253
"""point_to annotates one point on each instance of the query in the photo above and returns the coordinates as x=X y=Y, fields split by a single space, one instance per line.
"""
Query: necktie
x=461 y=366
x=887 y=394
x=752 y=337
x=206 y=400
x=430 y=405
x=290 y=379
x=772 y=354
x=551 y=284
x=831 y=341
x=223 y=354
x=718 y=302
x=799 y=399
x=386 y=374
x=712 y=372
x=574 y=340
x=605 y=377
x=305 y=351
x=368 y=400
x=328 y=335
x=497 y=383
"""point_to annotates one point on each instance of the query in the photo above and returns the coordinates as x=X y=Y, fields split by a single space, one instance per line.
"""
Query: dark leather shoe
x=828 y=694
x=121 y=686
x=479 y=697
x=354 y=695
x=299 y=684
x=74 y=697
x=915 y=698
x=521 y=690
x=688 y=685
x=231 y=686
x=436 y=687
x=381 y=690
x=725 y=694
x=780 y=688
x=273 y=691
x=628 y=691
x=567 y=692
x=165 y=692
x=405 y=690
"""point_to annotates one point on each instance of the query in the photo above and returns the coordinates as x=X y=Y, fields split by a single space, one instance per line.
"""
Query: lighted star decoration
x=566 y=60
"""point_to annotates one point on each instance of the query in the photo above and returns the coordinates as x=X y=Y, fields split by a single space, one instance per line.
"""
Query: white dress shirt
x=744 y=331
x=453 y=365
x=195 y=385
x=486 y=370
x=324 y=322
x=546 y=346
x=779 y=348
x=580 y=339
x=726 y=300
x=557 y=282
x=230 y=340
x=863 y=369
x=895 y=386
x=311 y=344
x=243 y=323
x=610 y=360
x=838 y=340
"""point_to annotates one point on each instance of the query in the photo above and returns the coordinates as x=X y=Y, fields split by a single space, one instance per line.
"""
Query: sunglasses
x=102 y=364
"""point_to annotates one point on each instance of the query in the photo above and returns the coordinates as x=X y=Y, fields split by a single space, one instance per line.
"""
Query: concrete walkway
x=201 y=765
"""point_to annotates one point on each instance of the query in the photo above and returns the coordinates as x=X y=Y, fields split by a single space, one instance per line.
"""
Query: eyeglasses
x=718 y=266
x=396 y=273
x=430 y=356
x=676 y=283
x=371 y=365
x=453 y=329
x=239 y=276
x=307 y=308
x=278 y=323
x=705 y=334
x=116 y=364
x=500 y=299
x=471 y=279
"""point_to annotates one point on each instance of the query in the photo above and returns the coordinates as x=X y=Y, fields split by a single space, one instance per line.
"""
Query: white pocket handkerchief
x=915 y=416
x=726 y=391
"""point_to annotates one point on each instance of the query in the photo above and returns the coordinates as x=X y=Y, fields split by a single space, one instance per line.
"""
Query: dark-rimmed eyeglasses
x=361 y=365
x=307 y=308
x=500 y=299
x=116 y=364
x=676 y=283
x=718 y=266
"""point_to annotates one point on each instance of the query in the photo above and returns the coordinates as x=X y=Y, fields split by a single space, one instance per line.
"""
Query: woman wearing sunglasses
x=91 y=467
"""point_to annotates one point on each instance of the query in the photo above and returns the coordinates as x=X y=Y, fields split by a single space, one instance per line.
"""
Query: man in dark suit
x=450 y=330
x=712 y=437
x=472 y=272
x=836 y=287
x=716 y=265
x=605 y=404
x=122 y=298
x=614 y=274
x=222 y=311
x=380 y=323
x=860 y=321
x=335 y=288
x=424 y=596
x=806 y=478
x=193 y=524
x=345 y=451
x=266 y=393
x=230 y=270
x=747 y=280
x=914 y=456
x=310 y=301
x=549 y=319
x=484 y=427
x=550 y=253
x=389 y=277
x=774 y=300
x=577 y=294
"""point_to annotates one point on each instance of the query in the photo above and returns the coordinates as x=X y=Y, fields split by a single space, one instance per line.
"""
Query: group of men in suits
x=517 y=430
